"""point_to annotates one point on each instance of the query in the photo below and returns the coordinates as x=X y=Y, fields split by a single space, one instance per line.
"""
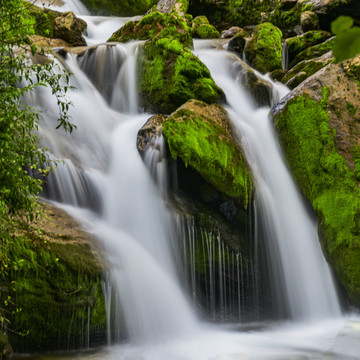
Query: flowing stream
x=104 y=183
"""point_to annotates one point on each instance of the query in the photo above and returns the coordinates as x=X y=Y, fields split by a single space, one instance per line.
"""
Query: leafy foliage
x=347 y=41
x=19 y=152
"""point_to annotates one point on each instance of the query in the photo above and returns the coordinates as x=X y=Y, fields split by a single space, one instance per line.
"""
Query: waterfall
x=300 y=272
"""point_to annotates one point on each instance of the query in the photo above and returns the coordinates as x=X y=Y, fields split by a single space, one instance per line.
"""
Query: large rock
x=171 y=75
x=319 y=128
x=155 y=25
x=297 y=44
x=200 y=135
x=304 y=69
x=70 y=28
x=58 y=284
x=309 y=21
x=264 y=49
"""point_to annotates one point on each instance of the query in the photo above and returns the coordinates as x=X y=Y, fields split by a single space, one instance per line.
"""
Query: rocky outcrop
x=297 y=44
x=304 y=69
x=264 y=49
x=69 y=28
x=155 y=25
x=319 y=128
x=171 y=75
x=58 y=282
x=200 y=135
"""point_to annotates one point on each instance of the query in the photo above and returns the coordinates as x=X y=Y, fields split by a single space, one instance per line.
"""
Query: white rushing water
x=290 y=233
x=105 y=184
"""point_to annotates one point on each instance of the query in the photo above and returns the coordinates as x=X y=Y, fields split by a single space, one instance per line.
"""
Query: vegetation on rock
x=205 y=143
x=319 y=136
x=201 y=28
x=264 y=49
x=171 y=75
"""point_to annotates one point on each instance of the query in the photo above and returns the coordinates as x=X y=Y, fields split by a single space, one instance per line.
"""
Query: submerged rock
x=319 y=129
x=264 y=49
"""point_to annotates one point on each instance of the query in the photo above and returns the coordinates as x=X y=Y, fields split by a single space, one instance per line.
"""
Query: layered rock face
x=318 y=124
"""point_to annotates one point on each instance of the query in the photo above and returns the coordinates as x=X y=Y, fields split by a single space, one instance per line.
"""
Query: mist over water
x=106 y=185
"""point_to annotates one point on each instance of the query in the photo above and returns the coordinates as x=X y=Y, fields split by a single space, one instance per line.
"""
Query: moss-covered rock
x=171 y=75
x=319 y=129
x=119 y=7
x=309 y=21
x=297 y=44
x=264 y=49
x=70 y=28
x=168 y=6
x=201 y=28
x=199 y=134
x=58 y=286
x=155 y=25
x=304 y=69
x=313 y=52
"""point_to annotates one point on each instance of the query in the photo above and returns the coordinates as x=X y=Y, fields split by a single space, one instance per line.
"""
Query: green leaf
x=341 y=24
x=347 y=44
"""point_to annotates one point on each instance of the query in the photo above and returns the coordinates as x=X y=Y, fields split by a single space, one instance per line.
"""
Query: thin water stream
x=105 y=185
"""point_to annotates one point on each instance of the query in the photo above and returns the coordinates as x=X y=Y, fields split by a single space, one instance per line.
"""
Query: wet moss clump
x=171 y=74
x=155 y=25
x=209 y=148
x=201 y=28
x=297 y=44
x=57 y=296
x=326 y=180
x=264 y=49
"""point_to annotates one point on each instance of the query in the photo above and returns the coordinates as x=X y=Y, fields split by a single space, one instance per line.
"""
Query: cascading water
x=289 y=232
x=104 y=172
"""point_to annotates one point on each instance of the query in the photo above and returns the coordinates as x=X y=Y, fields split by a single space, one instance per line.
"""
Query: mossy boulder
x=70 y=28
x=119 y=7
x=313 y=52
x=171 y=75
x=304 y=69
x=264 y=49
x=200 y=135
x=319 y=128
x=155 y=25
x=202 y=29
x=58 y=286
x=309 y=21
x=297 y=44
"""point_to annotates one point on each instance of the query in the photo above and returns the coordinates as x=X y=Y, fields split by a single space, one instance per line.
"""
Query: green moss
x=206 y=146
x=327 y=182
x=202 y=29
x=352 y=109
x=264 y=49
x=171 y=75
x=312 y=52
x=297 y=44
x=156 y=24
x=58 y=287
x=302 y=71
